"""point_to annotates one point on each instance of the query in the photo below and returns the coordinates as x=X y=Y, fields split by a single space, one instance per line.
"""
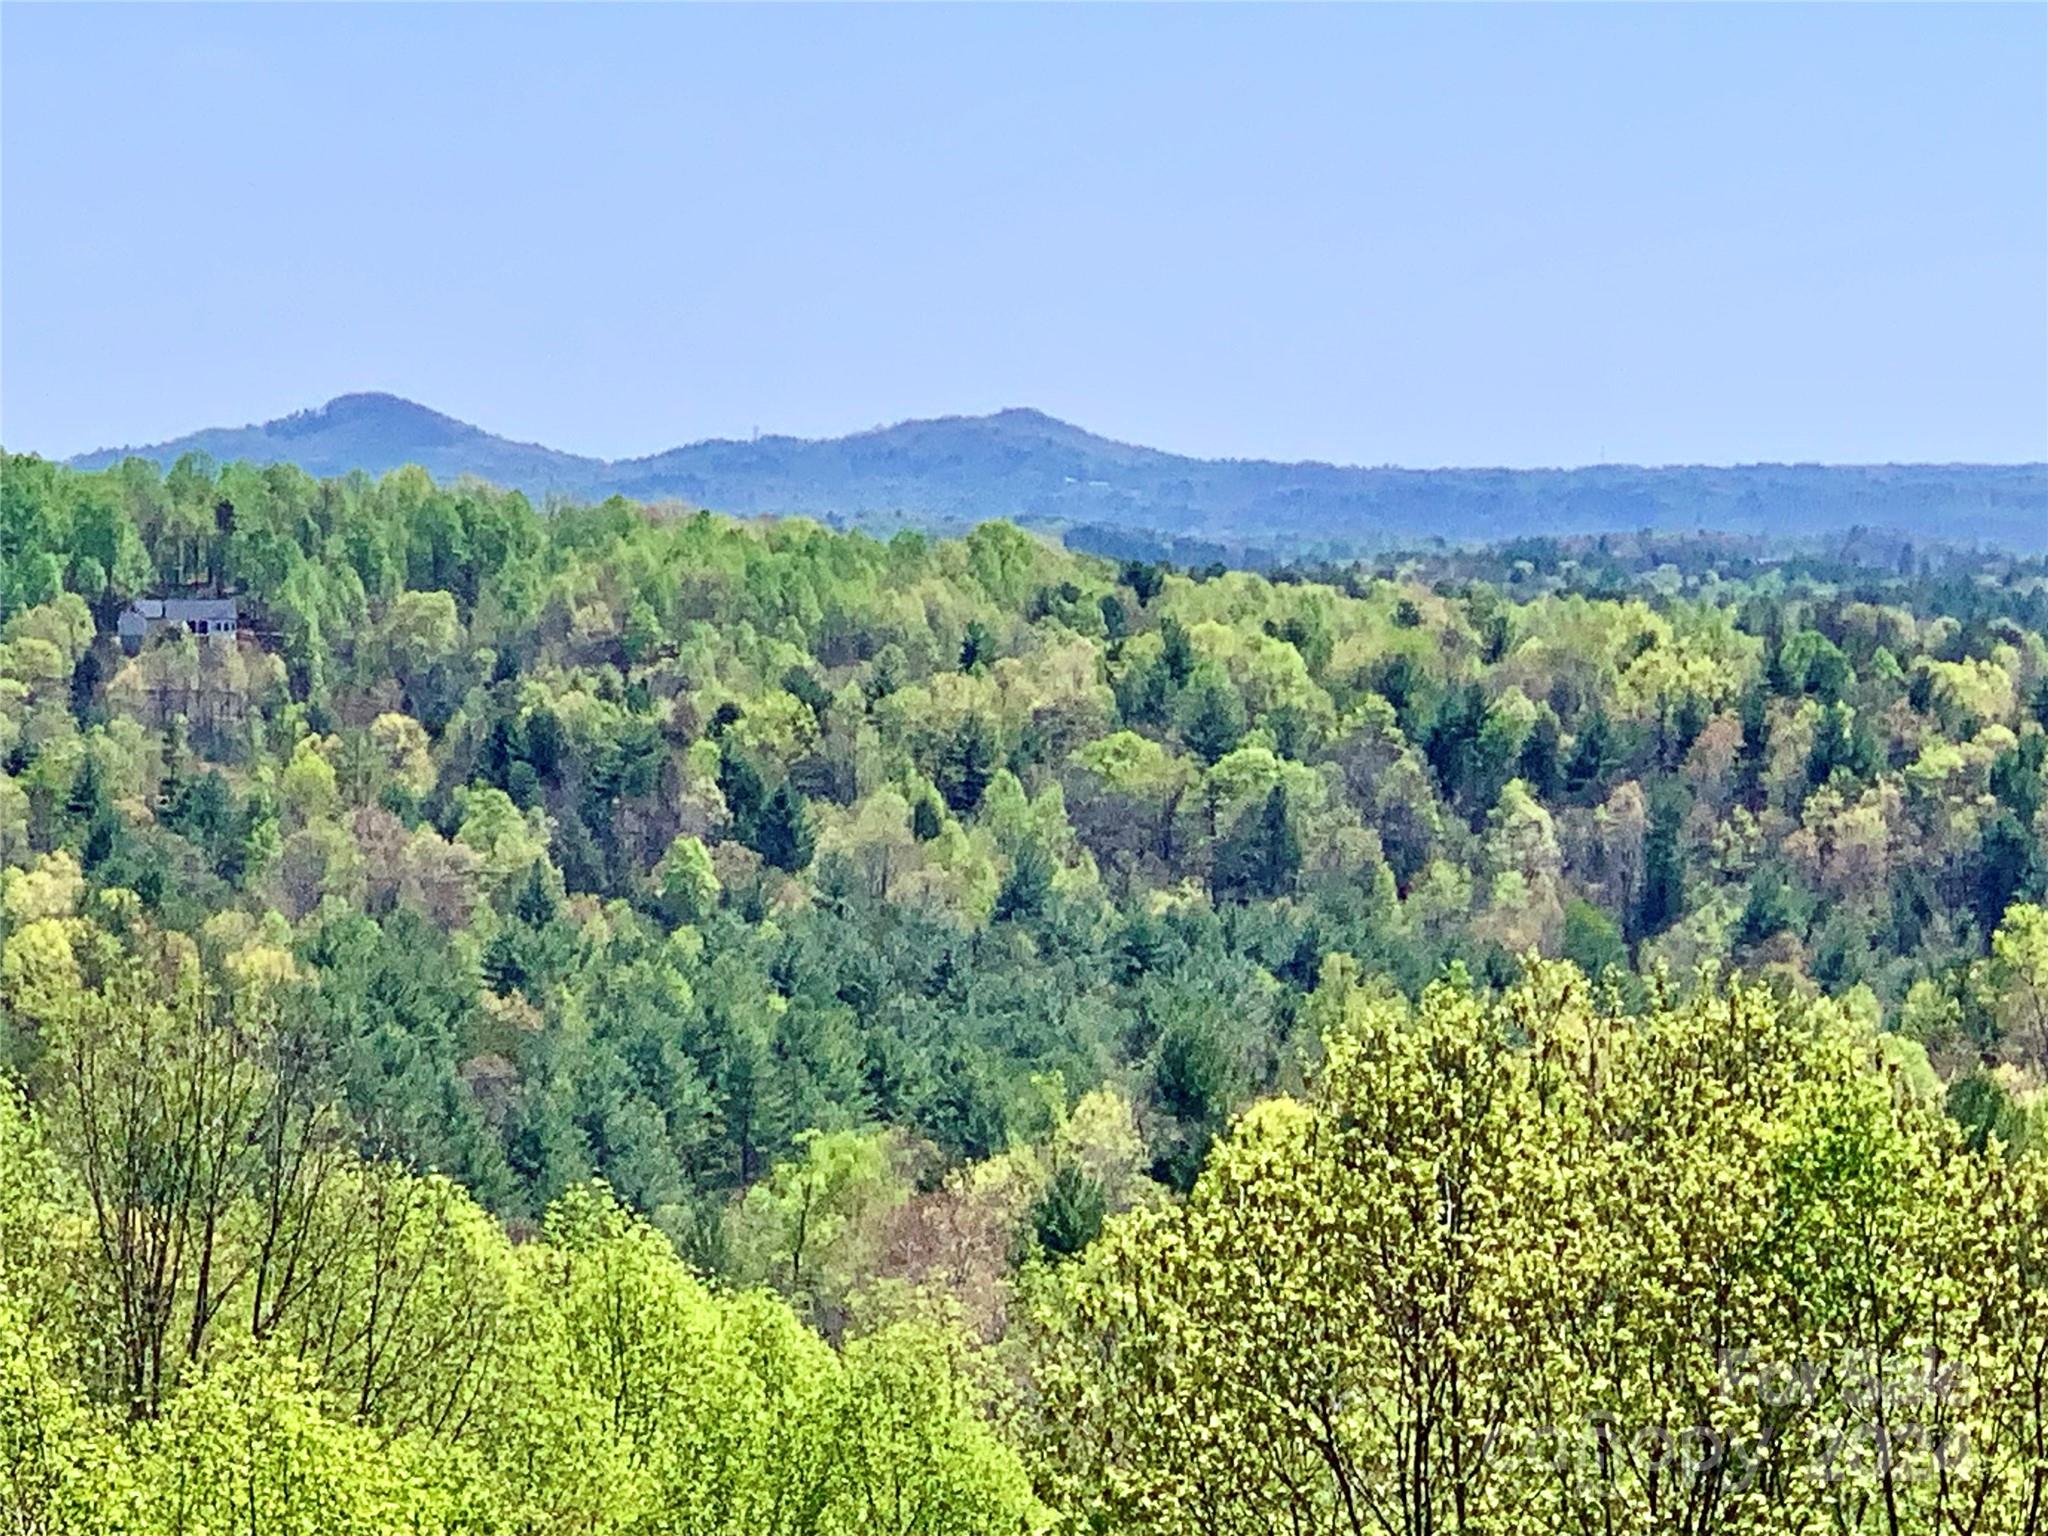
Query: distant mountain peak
x=374 y=417
x=366 y=408
x=1023 y=423
x=1021 y=463
x=376 y=402
x=1011 y=418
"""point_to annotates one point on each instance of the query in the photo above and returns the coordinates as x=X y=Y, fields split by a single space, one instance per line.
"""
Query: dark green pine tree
x=782 y=832
x=977 y=648
x=535 y=903
x=1663 y=896
x=2019 y=777
x=1775 y=905
x=1212 y=722
x=1682 y=728
x=799 y=682
x=545 y=744
x=102 y=837
x=1144 y=580
x=967 y=765
x=1540 y=765
x=1176 y=651
x=1144 y=694
x=2010 y=867
x=1260 y=858
x=503 y=964
x=1144 y=948
x=745 y=793
x=1755 y=749
x=1116 y=623
x=1069 y=1215
x=88 y=799
x=1027 y=885
x=1592 y=757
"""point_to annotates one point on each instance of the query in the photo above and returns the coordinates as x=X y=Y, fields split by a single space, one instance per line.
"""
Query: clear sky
x=1451 y=235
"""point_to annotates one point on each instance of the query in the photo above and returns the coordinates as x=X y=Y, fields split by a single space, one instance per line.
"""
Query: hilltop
x=1032 y=467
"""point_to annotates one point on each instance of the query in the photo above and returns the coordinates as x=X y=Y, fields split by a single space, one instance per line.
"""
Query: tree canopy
x=618 y=1018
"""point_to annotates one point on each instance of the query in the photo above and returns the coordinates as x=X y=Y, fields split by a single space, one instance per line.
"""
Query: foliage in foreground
x=1533 y=1265
x=1520 y=1261
x=383 y=1358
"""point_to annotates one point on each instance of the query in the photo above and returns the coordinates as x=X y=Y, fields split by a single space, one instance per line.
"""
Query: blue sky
x=1453 y=235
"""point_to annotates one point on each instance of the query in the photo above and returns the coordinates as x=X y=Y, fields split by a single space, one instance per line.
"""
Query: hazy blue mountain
x=376 y=433
x=1028 y=466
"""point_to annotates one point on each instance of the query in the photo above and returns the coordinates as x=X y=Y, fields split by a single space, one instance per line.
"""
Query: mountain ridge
x=1023 y=463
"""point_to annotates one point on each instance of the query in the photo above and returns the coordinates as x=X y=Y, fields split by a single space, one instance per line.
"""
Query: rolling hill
x=1028 y=466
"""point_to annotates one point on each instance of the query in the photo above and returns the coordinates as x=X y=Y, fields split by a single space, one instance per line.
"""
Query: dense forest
x=604 y=1019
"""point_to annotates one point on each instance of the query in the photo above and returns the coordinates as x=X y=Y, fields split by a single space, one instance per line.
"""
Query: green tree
x=967 y=764
x=1260 y=858
x=1027 y=885
x=782 y=833
x=978 y=648
x=1663 y=895
x=1212 y=718
x=1592 y=940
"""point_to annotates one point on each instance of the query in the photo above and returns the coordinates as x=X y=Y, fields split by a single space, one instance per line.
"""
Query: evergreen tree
x=1212 y=719
x=1145 y=580
x=1144 y=695
x=739 y=781
x=1540 y=765
x=2011 y=866
x=88 y=798
x=967 y=764
x=1176 y=650
x=1592 y=758
x=535 y=903
x=1663 y=895
x=102 y=836
x=978 y=648
x=1116 y=622
x=1840 y=741
x=782 y=832
x=1682 y=728
x=2019 y=777
x=1775 y=905
x=799 y=682
x=1068 y=1216
x=1260 y=859
x=1755 y=749
x=1025 y=888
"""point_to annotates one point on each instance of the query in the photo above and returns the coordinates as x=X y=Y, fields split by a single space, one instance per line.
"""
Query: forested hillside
x=614 y=1021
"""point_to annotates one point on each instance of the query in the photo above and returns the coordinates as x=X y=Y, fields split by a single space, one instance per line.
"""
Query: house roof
x=180 y=609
